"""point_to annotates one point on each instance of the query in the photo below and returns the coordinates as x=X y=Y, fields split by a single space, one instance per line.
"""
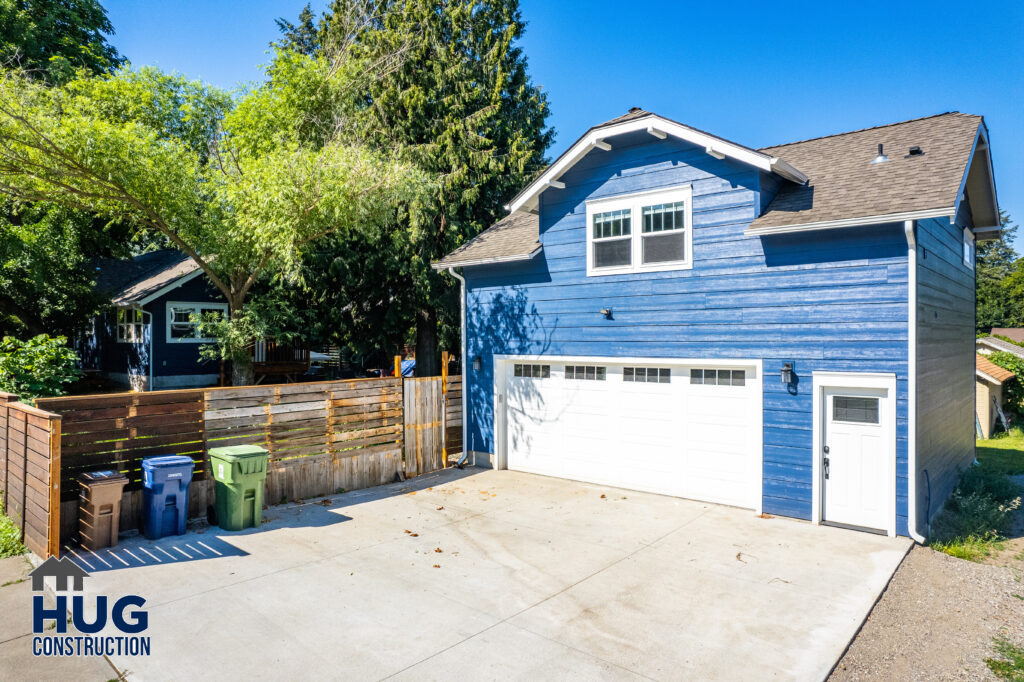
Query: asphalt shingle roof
x=845 y=184
x=130 y=281
x=986 y=366
x=515 y=236
x=1000 y=345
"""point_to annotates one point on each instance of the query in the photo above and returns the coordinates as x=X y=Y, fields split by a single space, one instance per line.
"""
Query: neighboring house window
x=131 y=325
x=968 y=248
x=663 y=242
x=183 y=320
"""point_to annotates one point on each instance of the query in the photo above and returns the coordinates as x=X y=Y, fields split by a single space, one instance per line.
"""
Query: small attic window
x=968 y=248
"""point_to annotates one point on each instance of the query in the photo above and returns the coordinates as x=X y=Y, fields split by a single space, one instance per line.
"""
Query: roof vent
x=634 y=110
x=881 y=158
x=916 y=151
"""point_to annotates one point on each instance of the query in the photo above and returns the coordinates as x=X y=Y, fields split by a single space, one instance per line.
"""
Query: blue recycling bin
x=165 y=483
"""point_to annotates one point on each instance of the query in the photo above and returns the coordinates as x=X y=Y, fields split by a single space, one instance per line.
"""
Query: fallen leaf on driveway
x=438 y=550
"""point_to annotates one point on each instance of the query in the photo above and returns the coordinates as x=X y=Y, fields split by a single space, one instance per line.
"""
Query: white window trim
x=635 y=203
x=196 y=306
x=144 y=324
x=968 y=248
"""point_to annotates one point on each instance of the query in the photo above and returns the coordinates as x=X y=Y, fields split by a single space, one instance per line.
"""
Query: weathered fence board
x=323 y=437
x=30 y=473
x=424 y=422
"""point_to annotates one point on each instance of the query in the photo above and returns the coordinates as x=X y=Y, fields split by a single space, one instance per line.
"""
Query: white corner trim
x=852 y=222
x=852 y=380
x=909 y=229
x=528 y=197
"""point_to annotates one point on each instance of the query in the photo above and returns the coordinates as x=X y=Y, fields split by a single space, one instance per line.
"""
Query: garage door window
x=532 y=371
x=651 y=375
x=718 y=377
x=585 y=372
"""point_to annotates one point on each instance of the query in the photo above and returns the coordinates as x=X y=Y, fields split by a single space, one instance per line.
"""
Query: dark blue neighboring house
x=148 y=339
x=788 y=329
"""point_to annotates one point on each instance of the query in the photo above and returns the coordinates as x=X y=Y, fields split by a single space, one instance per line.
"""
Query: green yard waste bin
x=239 y=471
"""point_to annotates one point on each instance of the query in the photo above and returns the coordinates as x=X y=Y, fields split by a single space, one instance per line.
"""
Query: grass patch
x=980 y=510
x=1010 y=664
x=10 y=537
x=1003 y=453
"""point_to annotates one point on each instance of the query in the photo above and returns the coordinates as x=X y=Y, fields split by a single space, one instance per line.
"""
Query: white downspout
x=465 y=371
x=908 y=229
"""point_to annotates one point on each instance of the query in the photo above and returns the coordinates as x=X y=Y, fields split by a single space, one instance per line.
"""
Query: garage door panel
x=671 y=437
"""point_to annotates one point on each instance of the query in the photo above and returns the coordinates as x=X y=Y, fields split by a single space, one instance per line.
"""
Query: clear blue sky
x=756 y=73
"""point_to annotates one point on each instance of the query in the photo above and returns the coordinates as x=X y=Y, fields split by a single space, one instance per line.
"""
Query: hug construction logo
x=53 y=640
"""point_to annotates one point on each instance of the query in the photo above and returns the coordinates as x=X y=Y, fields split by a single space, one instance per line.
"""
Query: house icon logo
x=60 y=570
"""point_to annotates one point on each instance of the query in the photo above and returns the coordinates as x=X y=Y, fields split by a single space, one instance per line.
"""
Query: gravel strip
x=936 y=621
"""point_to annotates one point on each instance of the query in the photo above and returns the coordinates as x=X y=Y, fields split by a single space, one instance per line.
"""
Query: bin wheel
x=211 y=515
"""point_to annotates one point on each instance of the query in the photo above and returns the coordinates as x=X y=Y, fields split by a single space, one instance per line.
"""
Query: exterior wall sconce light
x=607 y=312
x=787 y=373
x=478 y=363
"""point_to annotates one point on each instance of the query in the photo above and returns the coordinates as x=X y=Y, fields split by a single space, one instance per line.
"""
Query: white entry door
x=856 y=453
x=687 y=430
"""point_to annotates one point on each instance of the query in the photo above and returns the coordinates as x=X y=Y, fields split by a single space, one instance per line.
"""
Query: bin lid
x=235 y=452
x=101 y=477
x=166 y=461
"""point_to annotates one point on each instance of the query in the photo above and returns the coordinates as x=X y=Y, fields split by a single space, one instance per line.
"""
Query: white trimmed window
x=132 y=325
x=643 y=232
x=183 y=320
x=968 y=248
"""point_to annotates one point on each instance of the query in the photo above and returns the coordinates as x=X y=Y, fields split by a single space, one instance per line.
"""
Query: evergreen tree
x=995 y=262
x=455 y=93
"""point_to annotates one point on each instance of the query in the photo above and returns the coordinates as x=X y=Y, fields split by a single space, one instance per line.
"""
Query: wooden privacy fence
x=30 y=473
x=322 y=437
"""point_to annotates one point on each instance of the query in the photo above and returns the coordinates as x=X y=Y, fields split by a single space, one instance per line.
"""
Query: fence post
x=53 y=532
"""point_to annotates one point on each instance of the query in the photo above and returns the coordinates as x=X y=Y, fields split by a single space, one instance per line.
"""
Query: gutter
x=465 y=370
x=908 y=228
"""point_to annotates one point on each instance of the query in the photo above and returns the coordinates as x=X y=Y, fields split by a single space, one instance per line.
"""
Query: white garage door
x=687 y=430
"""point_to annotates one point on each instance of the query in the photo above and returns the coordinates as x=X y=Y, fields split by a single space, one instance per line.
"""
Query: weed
x=1010 y=664
x=14 y=582
x=977 y=513
x=10 y=537
x=339 y=491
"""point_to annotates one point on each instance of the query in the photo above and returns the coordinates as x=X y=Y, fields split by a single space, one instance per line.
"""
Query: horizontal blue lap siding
x=827 y=301
x=174 y=357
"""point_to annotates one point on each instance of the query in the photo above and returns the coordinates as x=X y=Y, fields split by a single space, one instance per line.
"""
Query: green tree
x=52 y=39
x=994 y=263
x=37 y=368
x=458 y=97
x=44 y=284
x=241 y=184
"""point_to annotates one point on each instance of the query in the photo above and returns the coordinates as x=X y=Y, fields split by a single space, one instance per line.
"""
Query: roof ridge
x=862 y=130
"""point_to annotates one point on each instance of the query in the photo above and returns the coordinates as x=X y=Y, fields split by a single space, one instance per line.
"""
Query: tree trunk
x=428 y=361
x=241 y=362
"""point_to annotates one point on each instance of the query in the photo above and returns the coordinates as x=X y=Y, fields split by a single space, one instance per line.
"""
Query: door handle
x=826 y=467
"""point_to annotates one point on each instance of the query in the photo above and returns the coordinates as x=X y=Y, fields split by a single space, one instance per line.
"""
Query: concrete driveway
x=494 y=575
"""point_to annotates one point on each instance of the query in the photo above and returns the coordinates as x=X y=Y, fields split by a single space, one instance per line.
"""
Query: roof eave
x=851 y=222
x=595 y=138
x=990 y=378
x=121 y=300
x=442 y=265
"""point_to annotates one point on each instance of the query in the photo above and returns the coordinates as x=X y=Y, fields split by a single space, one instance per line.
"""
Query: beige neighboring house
x=989 y=381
